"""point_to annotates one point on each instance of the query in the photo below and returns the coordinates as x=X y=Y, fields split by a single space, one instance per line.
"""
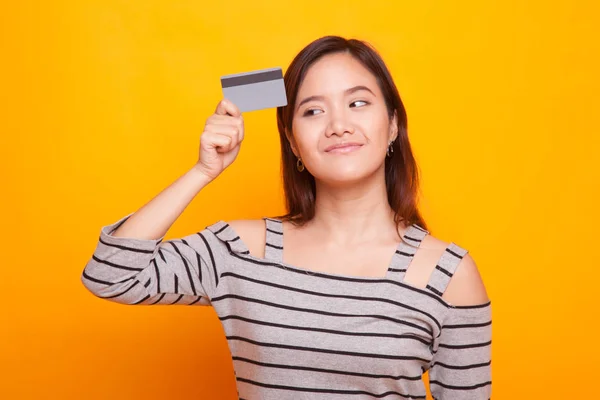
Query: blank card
x=255 y=90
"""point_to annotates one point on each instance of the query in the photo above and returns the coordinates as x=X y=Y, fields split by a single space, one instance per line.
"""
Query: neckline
x=400 y=249
x=226 y=233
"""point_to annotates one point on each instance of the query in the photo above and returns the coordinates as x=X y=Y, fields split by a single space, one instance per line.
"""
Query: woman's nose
x=339 y=124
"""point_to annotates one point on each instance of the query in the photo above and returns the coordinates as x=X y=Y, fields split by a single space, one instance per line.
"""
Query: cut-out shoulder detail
x=451 y=273
x=252 y=233
x=466 y=288
x=426 y=258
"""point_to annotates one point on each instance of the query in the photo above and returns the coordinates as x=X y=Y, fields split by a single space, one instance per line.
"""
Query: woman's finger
x=226 y=107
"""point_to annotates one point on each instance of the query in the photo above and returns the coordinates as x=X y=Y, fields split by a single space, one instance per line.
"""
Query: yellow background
x=102 y=104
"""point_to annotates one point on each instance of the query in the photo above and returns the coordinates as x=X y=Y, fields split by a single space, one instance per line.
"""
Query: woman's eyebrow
x=346 y=92
x=309 y=98
x=357 y=89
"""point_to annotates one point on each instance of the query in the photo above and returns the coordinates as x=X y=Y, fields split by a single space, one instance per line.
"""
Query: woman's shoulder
x=251 y=233
x=466 y=286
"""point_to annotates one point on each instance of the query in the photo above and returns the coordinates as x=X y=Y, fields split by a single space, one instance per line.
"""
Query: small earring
x=390 y=149
x=299 y=165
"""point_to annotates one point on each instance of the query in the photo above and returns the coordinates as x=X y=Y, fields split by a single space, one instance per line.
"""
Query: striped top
x=299 y=334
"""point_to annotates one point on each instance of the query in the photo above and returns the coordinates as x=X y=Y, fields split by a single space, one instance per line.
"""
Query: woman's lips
x=343 y=148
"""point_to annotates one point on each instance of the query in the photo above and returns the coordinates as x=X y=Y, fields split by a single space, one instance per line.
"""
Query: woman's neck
x=355 y=214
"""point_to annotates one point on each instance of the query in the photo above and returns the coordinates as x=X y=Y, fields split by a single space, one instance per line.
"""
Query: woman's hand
x=220 y=142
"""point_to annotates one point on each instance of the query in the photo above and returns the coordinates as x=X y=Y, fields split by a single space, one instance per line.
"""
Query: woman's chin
x=345 y=177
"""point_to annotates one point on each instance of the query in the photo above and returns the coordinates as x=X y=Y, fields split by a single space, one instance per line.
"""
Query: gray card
x=255 y=90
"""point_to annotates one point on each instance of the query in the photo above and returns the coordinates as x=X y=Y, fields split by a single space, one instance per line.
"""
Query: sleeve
x=461 y=364
x=150 y=271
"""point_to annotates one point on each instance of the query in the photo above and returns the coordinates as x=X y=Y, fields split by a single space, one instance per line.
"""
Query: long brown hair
x=401 y=171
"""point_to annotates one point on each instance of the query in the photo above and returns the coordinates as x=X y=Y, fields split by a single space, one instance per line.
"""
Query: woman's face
x=340 y=104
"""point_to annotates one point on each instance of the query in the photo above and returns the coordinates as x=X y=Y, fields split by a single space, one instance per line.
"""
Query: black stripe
x=195 y=301
x=340 y=296
x=176 y=278
x=159 y=299
x=434 y=290
x=334 y=332
x=122 y=293
x=187 y=267
x=313 y=311
x=465 y=346
x=118 y=246
x=445 y=271
x=474 y=306
x=460 y=326
x=198 y=258
x=404 y=254
x=199 y=261
x=142 y=300
x=221 y=229
x=327 y=371
x=177 y=299
x=212 y=258
x=419 y=228
x=453 y=253
x=98 y=260
x=162 y=256
x=397 y=269
x=477 y=386
x=147 y=282
x=330 y=391
x=234 y=239
x=412 y=238
x=327 y=351
x=341 y=278
x=470 y=366
x=157 y=275
x=256 y=77
x=91 y=278
x=274 y=246
x=275 y=232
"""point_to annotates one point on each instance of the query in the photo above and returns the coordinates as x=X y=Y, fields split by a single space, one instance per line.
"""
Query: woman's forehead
x=334 y=74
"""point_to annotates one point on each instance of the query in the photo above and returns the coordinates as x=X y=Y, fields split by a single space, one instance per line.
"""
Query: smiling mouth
x=343 y=148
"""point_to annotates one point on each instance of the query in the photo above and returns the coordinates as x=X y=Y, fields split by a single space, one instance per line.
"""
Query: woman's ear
x=290 y=139
x=394 y=127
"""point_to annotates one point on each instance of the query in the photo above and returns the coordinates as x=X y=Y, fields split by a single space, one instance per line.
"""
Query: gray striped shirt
x=298 y=334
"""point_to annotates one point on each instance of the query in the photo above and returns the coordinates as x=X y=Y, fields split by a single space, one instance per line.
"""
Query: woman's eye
x=310 y=112
x=359 y=103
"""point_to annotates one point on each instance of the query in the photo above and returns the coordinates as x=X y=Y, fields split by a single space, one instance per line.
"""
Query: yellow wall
x=102 y=104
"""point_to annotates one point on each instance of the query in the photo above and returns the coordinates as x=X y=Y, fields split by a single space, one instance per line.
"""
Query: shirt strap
x=274 y=240
x=445 y=268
